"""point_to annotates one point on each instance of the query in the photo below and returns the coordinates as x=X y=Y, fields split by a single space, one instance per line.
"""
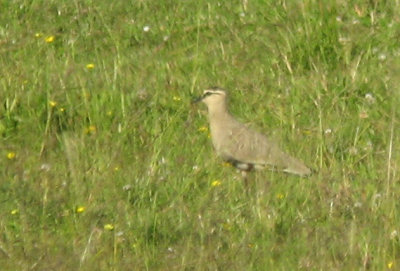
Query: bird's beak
x=196 y=100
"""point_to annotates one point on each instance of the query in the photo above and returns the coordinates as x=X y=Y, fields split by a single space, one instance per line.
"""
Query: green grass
x=122 y=140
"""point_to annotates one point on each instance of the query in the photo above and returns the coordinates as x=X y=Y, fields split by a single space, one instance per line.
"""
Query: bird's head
x=212 y=96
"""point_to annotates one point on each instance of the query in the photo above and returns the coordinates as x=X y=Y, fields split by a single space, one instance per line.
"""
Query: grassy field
x=105 y=164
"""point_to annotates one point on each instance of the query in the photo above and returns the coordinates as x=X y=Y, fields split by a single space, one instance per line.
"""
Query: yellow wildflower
x=90 y=66
x=11 y=155
x=176 y=98
x=216 y=183
x=62 y=109
x=49 y=39
x=90 y=130
x=38 y=35
x=280 y=196
x=116 y=168
x=108 y=227
x=53 y=103
x=203 y=129
x=390 y=265
x=14 y=212
x=80 y=209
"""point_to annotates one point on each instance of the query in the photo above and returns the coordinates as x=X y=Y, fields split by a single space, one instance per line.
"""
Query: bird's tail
x=297 y=167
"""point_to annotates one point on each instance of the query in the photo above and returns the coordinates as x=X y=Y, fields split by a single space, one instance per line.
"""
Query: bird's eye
x=208 y=93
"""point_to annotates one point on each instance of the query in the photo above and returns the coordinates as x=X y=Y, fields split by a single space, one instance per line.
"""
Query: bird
x=244 y=148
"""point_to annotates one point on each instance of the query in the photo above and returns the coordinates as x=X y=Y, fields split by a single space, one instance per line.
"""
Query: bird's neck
x=218 y=112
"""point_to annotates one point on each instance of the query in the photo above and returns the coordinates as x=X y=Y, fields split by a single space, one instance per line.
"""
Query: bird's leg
x=245 y=179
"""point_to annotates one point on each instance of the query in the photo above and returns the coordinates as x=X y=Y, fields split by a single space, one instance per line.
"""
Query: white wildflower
x=370 y=98
x=382 y=57
x=394 y=234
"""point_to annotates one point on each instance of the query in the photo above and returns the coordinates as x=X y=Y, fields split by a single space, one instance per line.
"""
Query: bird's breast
x=221 y=135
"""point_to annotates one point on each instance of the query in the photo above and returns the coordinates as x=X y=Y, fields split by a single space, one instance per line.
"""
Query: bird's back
x=236 y=142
